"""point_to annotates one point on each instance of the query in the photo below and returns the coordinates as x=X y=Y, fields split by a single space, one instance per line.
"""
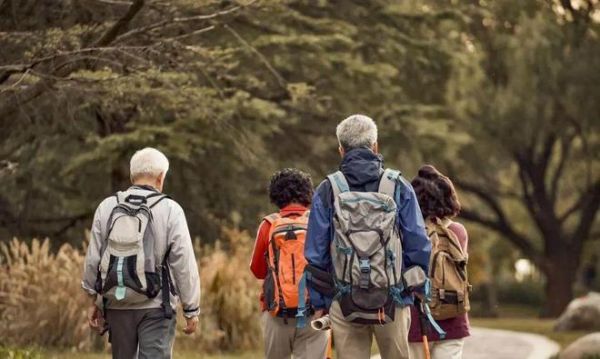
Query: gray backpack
x=128 y=270
x=367 y=250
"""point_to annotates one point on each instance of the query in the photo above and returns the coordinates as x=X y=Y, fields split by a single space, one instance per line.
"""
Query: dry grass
x=230 y=313
x=41 y=301
x=42 y=304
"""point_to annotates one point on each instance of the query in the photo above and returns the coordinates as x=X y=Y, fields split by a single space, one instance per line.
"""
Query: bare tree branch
x=280 y=80
x=500 y=224
x=15 y=102
x=193 y=33
x=589 y=209
x=505 y=230
x=565 y=150
x=120 y=25
x=179 y=20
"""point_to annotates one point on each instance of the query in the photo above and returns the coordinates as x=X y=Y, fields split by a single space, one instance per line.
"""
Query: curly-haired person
x=278 y=260
x=439 y=202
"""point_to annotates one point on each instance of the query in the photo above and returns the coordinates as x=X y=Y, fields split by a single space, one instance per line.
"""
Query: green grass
x=177 y=354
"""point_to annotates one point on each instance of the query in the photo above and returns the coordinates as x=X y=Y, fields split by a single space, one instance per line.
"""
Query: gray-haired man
x=365 y=232
x=139 y=263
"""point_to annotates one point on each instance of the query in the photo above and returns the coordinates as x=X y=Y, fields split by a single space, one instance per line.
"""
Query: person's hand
x=420 y=296
x=95 y=319
x=190 y=325
x=318 y=313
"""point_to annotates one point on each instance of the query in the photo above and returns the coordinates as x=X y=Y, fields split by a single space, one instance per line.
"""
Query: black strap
x=166 y=286
x=157 y=202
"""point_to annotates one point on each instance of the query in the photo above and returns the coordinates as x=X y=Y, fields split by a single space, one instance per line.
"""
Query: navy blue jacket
x=362 y=169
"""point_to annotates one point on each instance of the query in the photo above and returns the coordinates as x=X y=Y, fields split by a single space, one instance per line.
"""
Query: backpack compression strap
x=387 y=184
x=302 y=311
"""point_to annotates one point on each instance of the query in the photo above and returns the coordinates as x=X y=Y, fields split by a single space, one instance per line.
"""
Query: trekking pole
x=329 y=353
x=424 y=326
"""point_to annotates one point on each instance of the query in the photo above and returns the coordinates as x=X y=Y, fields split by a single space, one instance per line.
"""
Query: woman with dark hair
x=439 y=204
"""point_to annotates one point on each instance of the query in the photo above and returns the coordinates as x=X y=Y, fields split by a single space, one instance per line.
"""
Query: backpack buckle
x=365 y=266
x=290 y=235
x=365 y=270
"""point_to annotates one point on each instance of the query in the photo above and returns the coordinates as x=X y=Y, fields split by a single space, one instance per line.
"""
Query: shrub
x=529 y=292
x=230 y=312
x=41 y=301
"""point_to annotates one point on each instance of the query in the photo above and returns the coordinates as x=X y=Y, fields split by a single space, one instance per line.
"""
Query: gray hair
x=356 y=131
x=148 y=162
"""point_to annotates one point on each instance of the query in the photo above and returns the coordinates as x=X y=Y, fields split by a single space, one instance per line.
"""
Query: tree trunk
x=561 y=271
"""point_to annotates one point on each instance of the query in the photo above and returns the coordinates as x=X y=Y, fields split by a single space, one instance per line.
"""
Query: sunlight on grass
x=177 y=354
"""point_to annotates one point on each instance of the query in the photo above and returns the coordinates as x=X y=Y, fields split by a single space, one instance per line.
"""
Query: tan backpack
x=450 y=286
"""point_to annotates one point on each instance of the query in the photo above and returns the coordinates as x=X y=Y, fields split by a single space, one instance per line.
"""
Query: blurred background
x=500 y=95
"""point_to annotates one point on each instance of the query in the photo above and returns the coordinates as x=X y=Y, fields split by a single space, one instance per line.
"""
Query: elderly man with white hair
x=140 y=263
x=366 y=247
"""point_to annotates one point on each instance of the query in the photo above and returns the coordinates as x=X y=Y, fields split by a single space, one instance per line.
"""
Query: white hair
x=148 y=162
x=356 y=131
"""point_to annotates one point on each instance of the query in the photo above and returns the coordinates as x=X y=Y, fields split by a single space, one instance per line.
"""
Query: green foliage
x=262 y=89
x=501 y=95
x=529 y=292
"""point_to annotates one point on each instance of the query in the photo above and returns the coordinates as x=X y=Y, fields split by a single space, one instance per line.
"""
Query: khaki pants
x=353 y=341
x=284 y=340
x=444 y=349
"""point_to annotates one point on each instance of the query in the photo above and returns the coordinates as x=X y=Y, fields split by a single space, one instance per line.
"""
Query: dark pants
x=141 y=333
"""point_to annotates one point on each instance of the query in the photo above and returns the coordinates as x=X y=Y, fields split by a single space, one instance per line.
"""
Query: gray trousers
x=284 y=340
x=140 y=333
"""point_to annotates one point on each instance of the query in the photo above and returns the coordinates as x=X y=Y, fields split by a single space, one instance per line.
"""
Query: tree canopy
x=499 y=94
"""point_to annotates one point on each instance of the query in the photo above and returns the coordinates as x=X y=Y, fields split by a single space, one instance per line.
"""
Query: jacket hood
x=361 y=167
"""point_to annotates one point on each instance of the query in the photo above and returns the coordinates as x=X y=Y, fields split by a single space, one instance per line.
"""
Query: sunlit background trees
x=502 y=95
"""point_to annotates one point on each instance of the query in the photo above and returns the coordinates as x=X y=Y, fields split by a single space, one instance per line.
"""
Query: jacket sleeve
x=182 y=262
x=317 y=244
x=416 y=247
x=258 y=264
x=92 y=258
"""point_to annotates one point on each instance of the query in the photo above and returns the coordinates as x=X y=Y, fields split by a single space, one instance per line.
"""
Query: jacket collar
x=361 y=166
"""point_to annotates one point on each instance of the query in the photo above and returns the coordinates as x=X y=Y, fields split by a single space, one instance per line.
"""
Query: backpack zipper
x=293 y=269
x=287 y=229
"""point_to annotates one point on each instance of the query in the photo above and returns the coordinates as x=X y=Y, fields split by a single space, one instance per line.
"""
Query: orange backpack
x=285 y=261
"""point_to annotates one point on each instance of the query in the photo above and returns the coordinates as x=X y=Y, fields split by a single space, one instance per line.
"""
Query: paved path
x=503 y=344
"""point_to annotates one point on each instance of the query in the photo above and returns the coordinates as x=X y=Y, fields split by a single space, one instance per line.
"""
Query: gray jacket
x=170 y=228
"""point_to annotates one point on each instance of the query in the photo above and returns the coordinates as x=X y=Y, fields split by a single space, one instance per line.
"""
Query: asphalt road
x=503 y=344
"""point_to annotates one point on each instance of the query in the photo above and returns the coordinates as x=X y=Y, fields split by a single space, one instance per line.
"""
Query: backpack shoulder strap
x=388 y=182
x=338 y=183
x=272 y=217
x=155 y=198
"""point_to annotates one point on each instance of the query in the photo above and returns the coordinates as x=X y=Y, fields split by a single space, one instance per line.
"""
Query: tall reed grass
x=42 y=303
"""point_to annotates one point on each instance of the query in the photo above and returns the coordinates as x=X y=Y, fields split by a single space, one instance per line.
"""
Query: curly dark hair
x=435 y=193
x=290 y=185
